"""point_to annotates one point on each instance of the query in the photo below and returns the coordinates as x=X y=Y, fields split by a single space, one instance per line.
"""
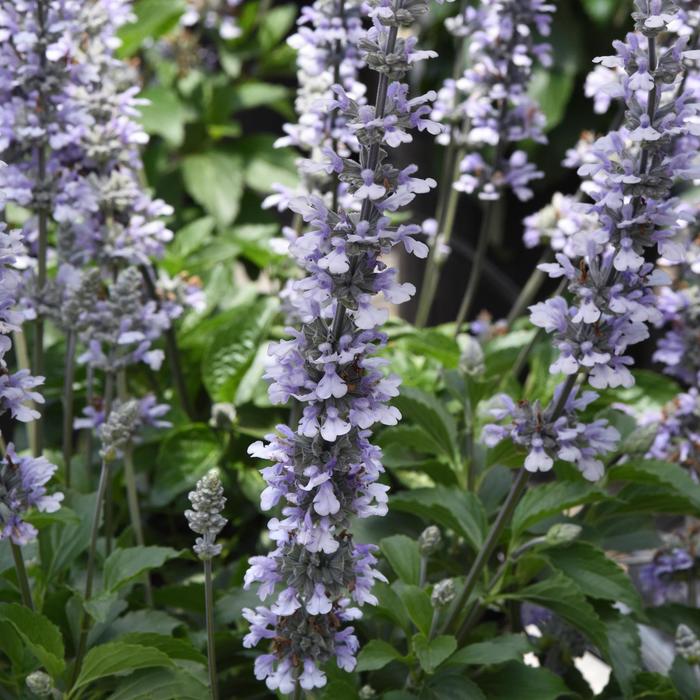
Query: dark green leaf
x=507 y=647
x=625 y=652
x=172 y=646
x=597 y=575
x=161 y=684
x=561 y=595
x=418 y=605
x=545 y=501
x=375 y=655
x=124 y=565
x=40 y=636
x=402 y=553
x=449 y=686
x=233 y=348
x=431 y=653
x=165 y=115
x=531 y=683
x=184 y=456
x=154 y=18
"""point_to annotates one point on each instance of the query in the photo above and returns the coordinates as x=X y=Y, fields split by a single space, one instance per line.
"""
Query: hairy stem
x=211 y=649
x=68 y=379
x=22 y=577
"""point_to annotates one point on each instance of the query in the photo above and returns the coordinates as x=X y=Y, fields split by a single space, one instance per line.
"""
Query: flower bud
x=687 y=644
x=367 y=692
x=40 y=683
x=561 y=533
x=223 y=415
x=205 y=519
x=444 y=593
x=471 y=361
x=429 y=540
x=119 y=429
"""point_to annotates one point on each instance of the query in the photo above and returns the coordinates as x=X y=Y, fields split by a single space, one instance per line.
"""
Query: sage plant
x=488 y=112
x=611 y=286
x=325 y=471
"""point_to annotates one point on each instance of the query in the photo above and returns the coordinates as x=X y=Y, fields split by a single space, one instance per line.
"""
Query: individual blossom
x=23 y=487
x=205 y=517
x=677 y=437
x=662 y=579
x=547 y=437
x=324 y=471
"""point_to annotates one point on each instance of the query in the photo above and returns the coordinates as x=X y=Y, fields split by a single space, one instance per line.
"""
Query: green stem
x=475 y=272
x=107 y=496
x=22 y=577
x=298 y=692
x=172 y=350
x=211 y=649
x=132 y=495
x=68 y=379
x=22 y=353
x=531 y=288
x=90 y=574
x=437 y=258
x=502 y=520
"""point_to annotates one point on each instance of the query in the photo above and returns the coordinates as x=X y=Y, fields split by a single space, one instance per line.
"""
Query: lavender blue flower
x=548 y=438
x=488 y=107
x=22 y=487
x=661 y=579
x=325 y=470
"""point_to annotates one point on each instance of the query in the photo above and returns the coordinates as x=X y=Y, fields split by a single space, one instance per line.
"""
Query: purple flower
x=22 y=487
x=659 y=579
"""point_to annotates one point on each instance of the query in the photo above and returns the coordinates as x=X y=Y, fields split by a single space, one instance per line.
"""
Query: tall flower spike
x=325 y=470
x=119 y=429
x=205 y=519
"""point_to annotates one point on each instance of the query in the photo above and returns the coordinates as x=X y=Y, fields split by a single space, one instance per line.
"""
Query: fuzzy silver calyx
x=119 y=429
x=205 y=518
x=429 y=541
x=687 y=644
x=444 y=593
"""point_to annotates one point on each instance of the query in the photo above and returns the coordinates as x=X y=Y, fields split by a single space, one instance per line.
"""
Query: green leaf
x=653 y=686
x=552 y=91
x=233 y=348
x=438 y=346
x=375 y=655
x=174 y=647
x=456 y=510
x=161 y=684
x=545 y=501
x=274 y=26
x=431 y=653
x=624 y=651
x=561 y=595
x=124 y=565
x=667 y=476
x=601 y=11
x=597 y=575
x=154 y=18
x=215 y=179
x=507 y=647
x=418 y=605
x=431 y=415
x=252 y=94
x=531 y=683
x=449 y=686
x=265 y=164
x=185 y=455
x=403 y=555
x=165 y=115
x=118 y=657
x=40 y=636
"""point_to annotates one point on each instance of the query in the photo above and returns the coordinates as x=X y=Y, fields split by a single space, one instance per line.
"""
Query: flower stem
x=20 y=344
x=173 y=352
x=90 y=573
x=502 y=520
x=22 y=577
x=531 y=288
x=211 y=649
x=437 y=258
x=42 y=225
x=68 y=406
x=485 y=229
x=132 y=495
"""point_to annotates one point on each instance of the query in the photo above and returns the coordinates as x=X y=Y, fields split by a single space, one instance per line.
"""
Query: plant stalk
x=211 y=649
x=22 y=354
x=68 y=380
x=22 y=577
x=172 y=350
x=531 y=288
